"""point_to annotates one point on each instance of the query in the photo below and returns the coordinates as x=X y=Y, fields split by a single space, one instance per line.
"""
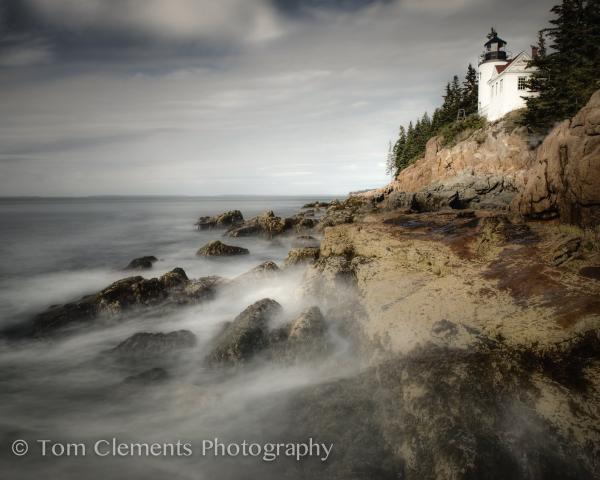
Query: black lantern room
x=494 y=47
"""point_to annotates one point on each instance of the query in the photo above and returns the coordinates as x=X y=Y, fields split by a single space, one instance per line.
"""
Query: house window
x=522 y=83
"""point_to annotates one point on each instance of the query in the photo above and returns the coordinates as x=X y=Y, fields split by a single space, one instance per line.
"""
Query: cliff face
x=565 y=179
x=495 y=150
x=498 y=168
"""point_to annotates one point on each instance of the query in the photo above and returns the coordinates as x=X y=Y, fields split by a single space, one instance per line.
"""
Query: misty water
x=54 y=251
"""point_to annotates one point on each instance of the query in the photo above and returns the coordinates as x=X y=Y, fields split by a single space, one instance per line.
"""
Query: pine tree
x=567 y=76
x=470 y=93
x=398 y=153
x=412 y=142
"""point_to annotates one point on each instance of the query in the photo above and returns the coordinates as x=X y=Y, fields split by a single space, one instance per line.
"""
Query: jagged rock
x=340 y=212
x=329 y=278
x=248 y=229
x=564 y=249
x=219 y=249
x=270 y=225
x=300 y=222
x=175 y=278
x=267 y=224
x=204 y=288
x=122 y=295
x=308 y=326
x=298 y=256
x=141 y=263
x=150 y=376
x=564 y=180
x=224 y=220
x=146 y=344
x=491 y=192
x=495 y=151
x=246 y=335
x=302 y=339
x=335 y=217
x=263 y=271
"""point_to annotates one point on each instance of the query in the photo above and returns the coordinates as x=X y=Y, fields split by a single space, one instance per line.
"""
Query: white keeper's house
x=502 y=80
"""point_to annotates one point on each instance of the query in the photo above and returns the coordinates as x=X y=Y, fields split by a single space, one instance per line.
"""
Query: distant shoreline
x=174 y=197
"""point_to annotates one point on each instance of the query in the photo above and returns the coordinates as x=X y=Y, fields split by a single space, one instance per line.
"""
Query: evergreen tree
x=412 y=142
x=398 y=153
x=567 y=76
x=470 y=93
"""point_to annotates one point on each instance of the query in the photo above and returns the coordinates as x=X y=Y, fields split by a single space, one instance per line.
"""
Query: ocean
x=53 y=251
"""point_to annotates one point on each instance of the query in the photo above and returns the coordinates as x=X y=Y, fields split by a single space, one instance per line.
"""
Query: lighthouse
x=502 y=80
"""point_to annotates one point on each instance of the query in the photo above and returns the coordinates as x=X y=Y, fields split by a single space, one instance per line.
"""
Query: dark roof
x=501 y=68
x=494 y=39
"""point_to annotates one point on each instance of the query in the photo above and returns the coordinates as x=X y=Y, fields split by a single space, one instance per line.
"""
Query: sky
x=205 y=97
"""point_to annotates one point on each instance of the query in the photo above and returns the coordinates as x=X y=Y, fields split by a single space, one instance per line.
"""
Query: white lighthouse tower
x=503 y=82
x=493 y=56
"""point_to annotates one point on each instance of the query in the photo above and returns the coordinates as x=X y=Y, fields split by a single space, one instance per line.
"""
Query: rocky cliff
x=498 y=167
x=564 y=181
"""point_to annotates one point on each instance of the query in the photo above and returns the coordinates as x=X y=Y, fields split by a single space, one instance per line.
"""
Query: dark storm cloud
x=33 y=31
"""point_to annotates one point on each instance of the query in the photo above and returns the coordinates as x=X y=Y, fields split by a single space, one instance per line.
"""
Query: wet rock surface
x=251 y=334
x=496 y=426
x=246 y=335
x=305 y=255
x=141 y=263
x=220 y=249
x=150 y=345
x=269 y=225
x=264 y=271
x=224 y=220
x=172 y=288
x=488 y=192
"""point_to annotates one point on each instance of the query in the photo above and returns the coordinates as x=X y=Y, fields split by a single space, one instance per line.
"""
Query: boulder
x=204 y=288
x=173 y=287
x=269 y=225
x=246 y=335
x=304 y=255
x=224 y=220
x=219 y=249
x=263 y=271
x=151 y=345
x=302 y=339
x=141 y=263
x=564 y=181
x=309 y=326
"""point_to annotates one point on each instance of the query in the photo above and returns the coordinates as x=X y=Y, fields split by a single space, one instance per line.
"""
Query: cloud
x=24 y=51
x=167 y=19
x=125 y=101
